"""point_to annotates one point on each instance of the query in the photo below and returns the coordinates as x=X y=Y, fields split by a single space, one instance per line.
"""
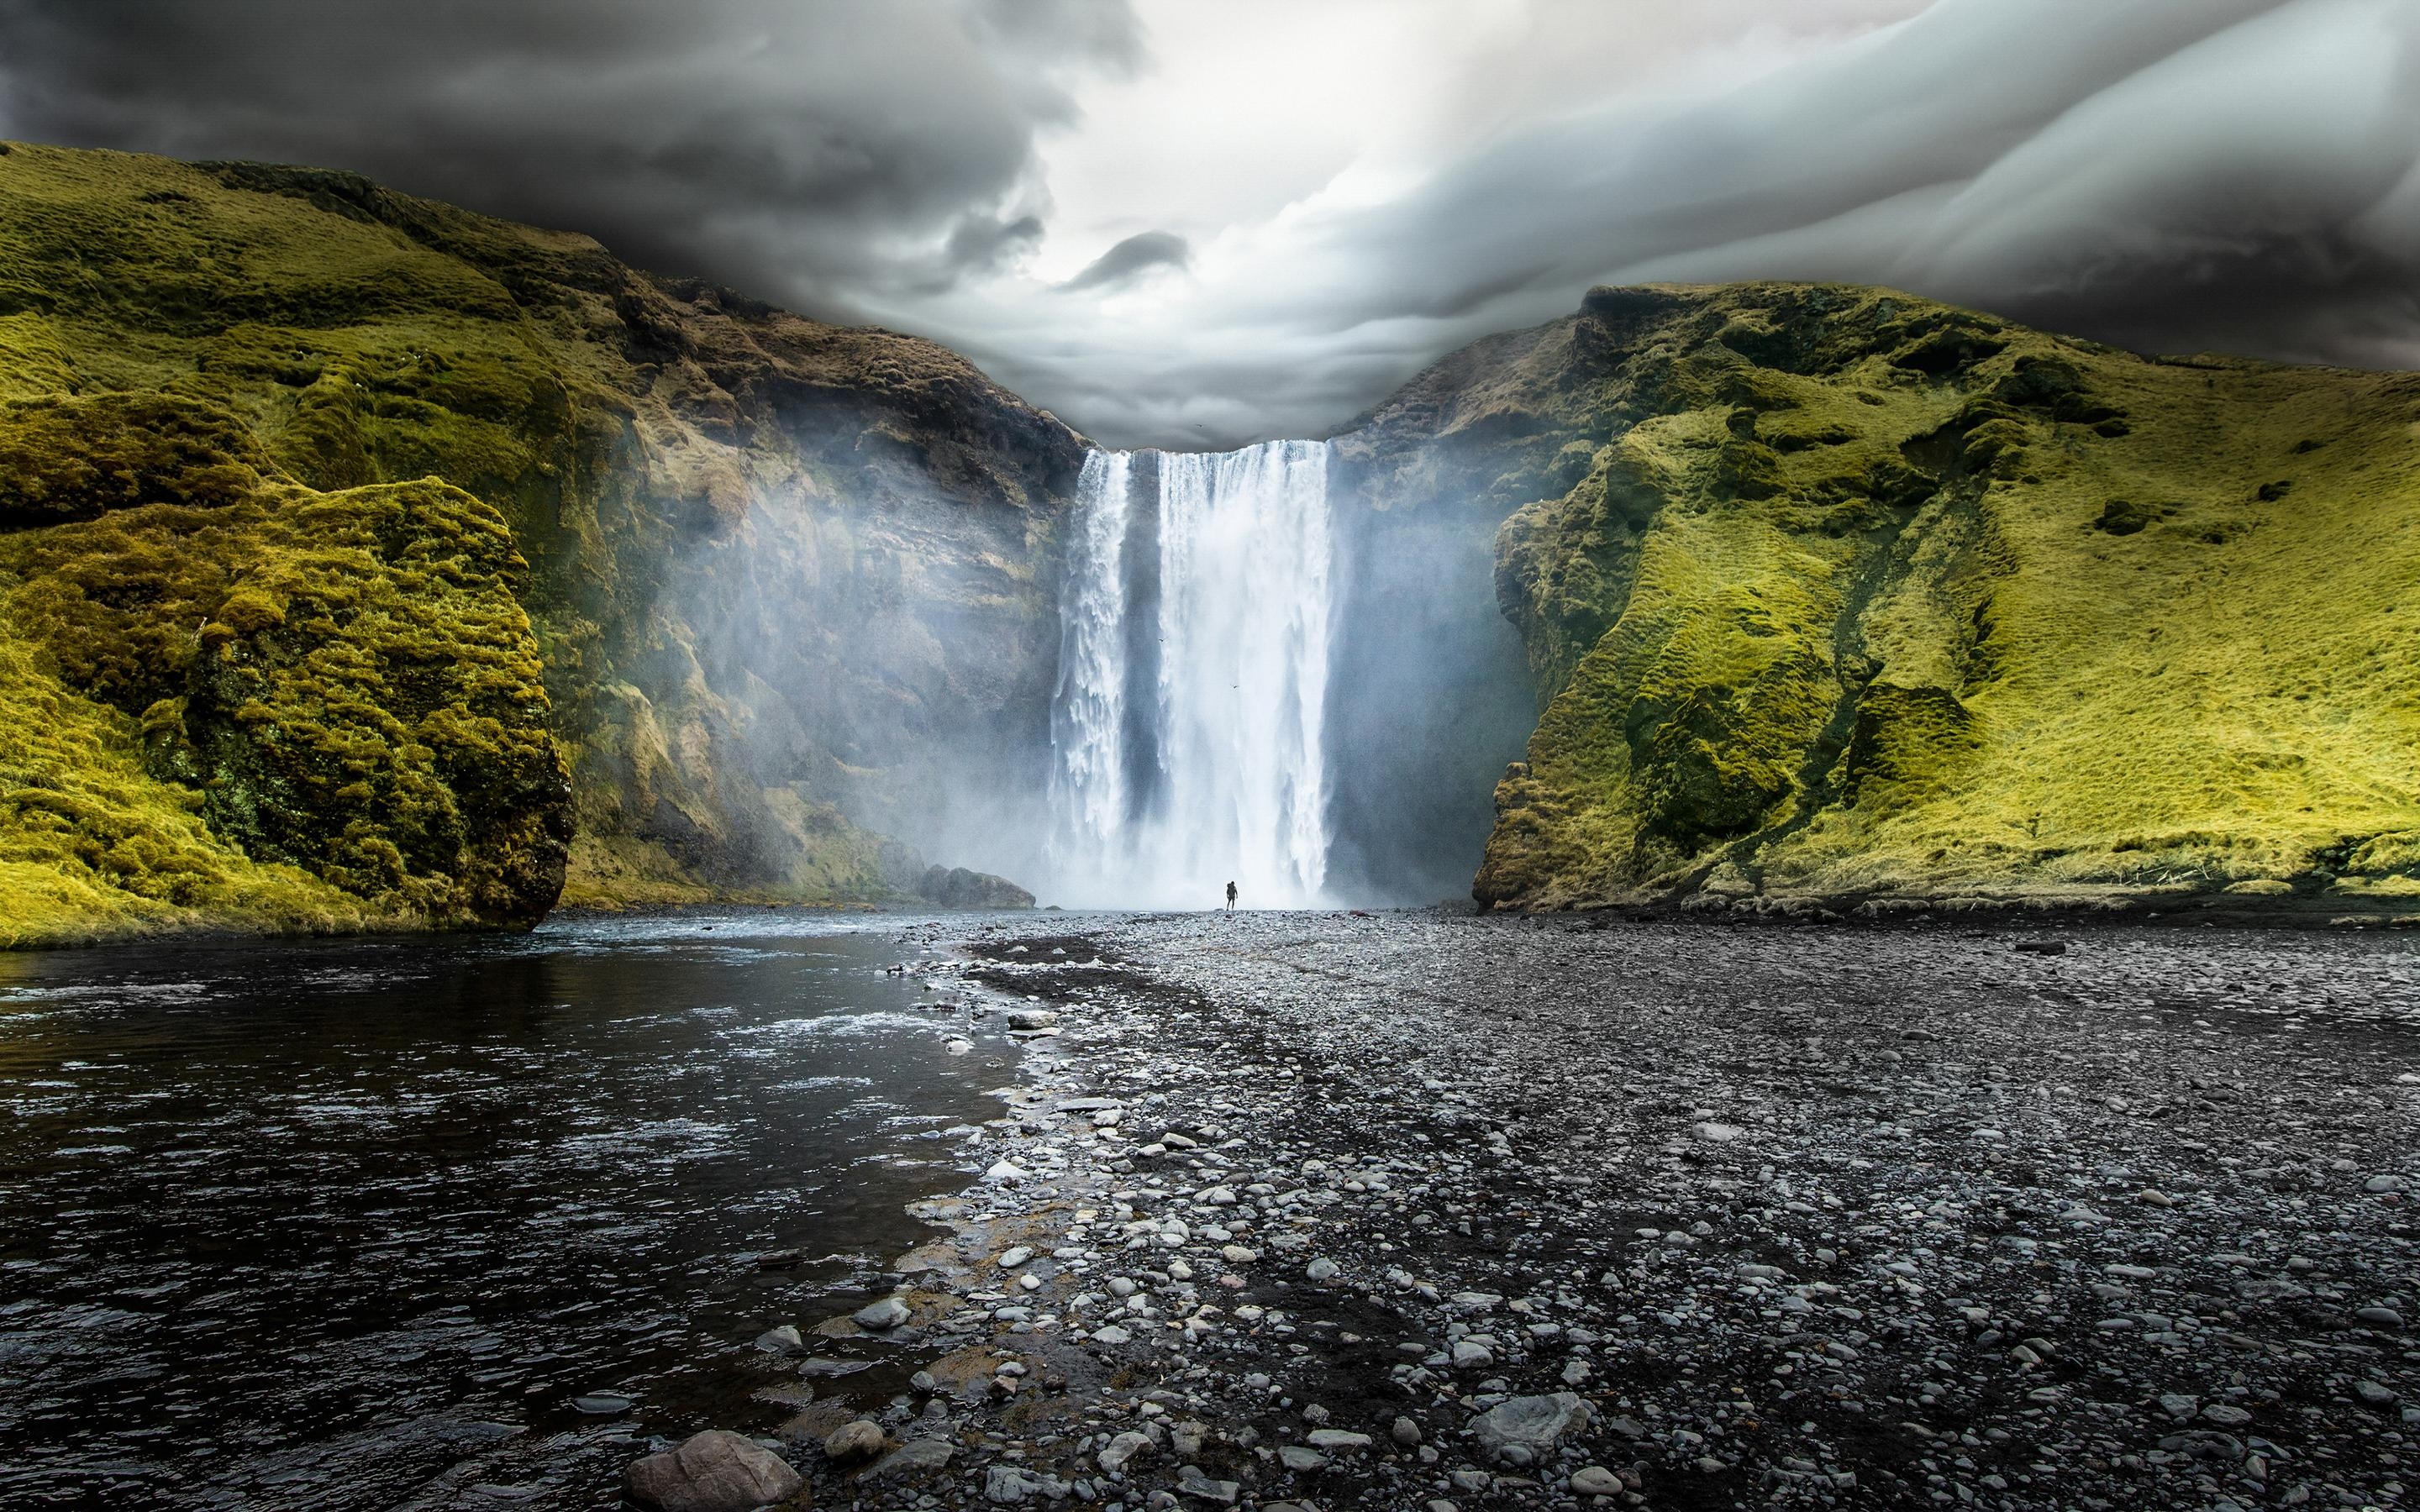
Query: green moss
x=68 y=458
x=1926 y=601
x=338 y=682
x=211 y=538
x=93 y=846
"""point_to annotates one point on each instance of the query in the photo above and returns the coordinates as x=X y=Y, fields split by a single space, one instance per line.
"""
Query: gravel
x=1416 y=1208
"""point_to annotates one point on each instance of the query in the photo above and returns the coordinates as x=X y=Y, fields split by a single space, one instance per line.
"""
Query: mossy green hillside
x=1841 y=593
x=293 y=709
x=275 y=341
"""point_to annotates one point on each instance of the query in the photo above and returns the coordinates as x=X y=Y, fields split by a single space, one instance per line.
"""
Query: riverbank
x=1383 y=1212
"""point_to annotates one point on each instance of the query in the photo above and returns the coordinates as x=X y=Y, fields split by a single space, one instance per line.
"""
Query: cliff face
x=366 y=561
x=1837 y=595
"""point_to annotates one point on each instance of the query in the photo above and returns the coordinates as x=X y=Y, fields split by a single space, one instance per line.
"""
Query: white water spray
x=1190 y=735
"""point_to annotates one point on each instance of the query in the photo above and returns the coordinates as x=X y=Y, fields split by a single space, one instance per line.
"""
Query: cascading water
x=1088 y=797
x=1193 y=680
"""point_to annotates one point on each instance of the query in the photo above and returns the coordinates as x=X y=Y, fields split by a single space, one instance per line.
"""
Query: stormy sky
x=1181 y=222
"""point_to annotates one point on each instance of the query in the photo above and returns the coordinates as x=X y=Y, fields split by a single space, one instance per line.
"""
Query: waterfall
x=1088 y=796
x=1187 y=725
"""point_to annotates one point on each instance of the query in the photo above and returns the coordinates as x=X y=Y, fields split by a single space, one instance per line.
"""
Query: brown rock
x=717 y=1470
x=854 y=1440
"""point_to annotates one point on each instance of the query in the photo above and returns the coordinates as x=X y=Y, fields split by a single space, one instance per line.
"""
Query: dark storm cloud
x=2173 y=175
x=2178 y=174
x=1134 y=256
x=820 y=153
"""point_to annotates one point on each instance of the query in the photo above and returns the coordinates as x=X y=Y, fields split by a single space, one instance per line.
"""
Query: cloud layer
x=2170 y=174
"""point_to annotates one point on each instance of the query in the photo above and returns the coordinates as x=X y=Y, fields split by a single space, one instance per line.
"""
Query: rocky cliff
x=364 y=562
x=1839 y=597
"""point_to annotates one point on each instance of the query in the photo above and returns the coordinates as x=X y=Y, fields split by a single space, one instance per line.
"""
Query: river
x=356 y=1223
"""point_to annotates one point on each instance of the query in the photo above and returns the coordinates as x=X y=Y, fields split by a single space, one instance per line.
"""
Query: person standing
x=1231 y=897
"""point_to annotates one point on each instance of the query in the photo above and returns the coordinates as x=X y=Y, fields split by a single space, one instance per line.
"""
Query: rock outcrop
x=956 y=887
x=1838 y=596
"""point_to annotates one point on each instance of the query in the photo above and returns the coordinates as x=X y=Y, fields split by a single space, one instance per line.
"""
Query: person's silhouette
x=1231 y=897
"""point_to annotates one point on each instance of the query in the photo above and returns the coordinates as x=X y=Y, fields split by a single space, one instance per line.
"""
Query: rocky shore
x=1415 y=1211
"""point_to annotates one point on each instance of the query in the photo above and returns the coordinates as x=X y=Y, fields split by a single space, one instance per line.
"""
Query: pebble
x=884 y=1315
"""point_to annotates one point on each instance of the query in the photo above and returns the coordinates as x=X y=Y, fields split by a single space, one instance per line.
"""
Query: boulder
x=882 y=1316
x=1528 y=1428
x=717 y=1470
x=1121 y=1450
x=1006 y=1486
x=853 y=1441
x=1595 y=1480
x=782 y=1340
x=955 y=886
x=917 y=1456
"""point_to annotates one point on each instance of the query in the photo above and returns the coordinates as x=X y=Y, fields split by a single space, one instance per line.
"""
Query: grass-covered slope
x=1838 y=594
x=314 y=498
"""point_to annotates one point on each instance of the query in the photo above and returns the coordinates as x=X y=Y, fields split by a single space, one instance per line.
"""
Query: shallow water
x=300 y=1224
